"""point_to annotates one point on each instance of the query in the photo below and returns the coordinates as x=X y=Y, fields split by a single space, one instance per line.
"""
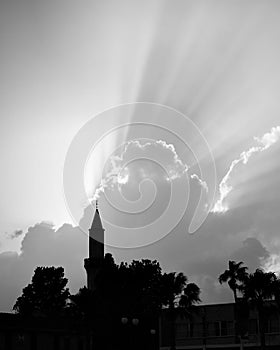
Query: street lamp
x=130 y=325
x=135 y=321
x=124 y=320
x=153 y=339
x=134 y=338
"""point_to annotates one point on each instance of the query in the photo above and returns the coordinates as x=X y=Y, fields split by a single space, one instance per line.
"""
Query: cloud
x=269 y=138
x=67 y=246
x=206 y=270
x=117 y=170
x=272 y=263
x=252 y=253
x=264 y=142
x=248 y=232
x=42 y=245
x=202 y=183
x=16 y=234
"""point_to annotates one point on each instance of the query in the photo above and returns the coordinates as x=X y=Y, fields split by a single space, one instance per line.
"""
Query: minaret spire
x=96 y=249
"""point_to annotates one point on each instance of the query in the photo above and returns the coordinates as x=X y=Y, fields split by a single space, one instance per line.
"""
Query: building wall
x=215 y=326
x=17 y=333
x=24 y=340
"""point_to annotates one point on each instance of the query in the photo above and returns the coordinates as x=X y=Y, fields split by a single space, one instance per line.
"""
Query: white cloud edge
x=264 y=142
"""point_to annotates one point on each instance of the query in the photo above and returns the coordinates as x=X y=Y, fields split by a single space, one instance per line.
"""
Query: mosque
x=209 y=327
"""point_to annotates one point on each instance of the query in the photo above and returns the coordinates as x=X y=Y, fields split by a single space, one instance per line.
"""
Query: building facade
x=218 y=326
x=38 y=333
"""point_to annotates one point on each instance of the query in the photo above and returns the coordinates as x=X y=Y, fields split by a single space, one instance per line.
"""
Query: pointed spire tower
x=96 y=249
x=96 y=236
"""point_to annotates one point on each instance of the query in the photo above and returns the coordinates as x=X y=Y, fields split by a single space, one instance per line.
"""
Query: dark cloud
x=16 y=234
x=206 y=271
x=43 y=246
x=251 y=253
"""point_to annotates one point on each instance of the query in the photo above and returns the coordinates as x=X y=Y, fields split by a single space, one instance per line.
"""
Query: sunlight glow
x=123 y=176
x=272 y=264
x=116 y=172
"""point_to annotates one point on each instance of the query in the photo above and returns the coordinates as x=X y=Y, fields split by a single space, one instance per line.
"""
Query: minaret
x=96 y=249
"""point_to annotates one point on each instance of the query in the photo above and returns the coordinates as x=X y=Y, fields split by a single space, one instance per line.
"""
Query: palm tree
x=177 y=292
x=189 y=297
x=234 y=276
x=258 y=288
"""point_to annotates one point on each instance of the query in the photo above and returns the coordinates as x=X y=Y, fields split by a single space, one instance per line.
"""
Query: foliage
x=138 y=286
x=235 y=275
x=175 y=291
x=136 y=289
x=46 y=294
x=190 y=296
x=258 y=288
x=172 y=288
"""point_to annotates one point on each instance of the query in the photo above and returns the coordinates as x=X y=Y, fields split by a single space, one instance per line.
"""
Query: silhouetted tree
x=46 y=294
x=177 y=292
x=136 y=290
x=139 y=287
x=258 y=288
x=125 y=290
x=234 y=276
x=82 y=304
x=189 y=297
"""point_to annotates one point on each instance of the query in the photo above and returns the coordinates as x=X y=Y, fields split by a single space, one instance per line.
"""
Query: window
x=180 y=330
x=198 y=330
x=220 y=328
x=224 y=328
x=217 y=329
x=273 y=325
x=184 y=330
x=253 y=326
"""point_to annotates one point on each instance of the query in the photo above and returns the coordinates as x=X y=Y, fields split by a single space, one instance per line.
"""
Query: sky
x=166 y=111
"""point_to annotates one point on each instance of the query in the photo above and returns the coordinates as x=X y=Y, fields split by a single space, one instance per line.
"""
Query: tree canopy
x=256 y=288
x=133 y=291
x=46 y=294
x=235 y=275
x=138 y=288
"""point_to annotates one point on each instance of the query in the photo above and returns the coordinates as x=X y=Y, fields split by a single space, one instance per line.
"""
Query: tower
x=94 y=262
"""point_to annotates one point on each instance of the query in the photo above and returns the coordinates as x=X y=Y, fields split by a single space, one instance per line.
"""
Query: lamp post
x=153 y=339
x=134 y=337
x=130 y=325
